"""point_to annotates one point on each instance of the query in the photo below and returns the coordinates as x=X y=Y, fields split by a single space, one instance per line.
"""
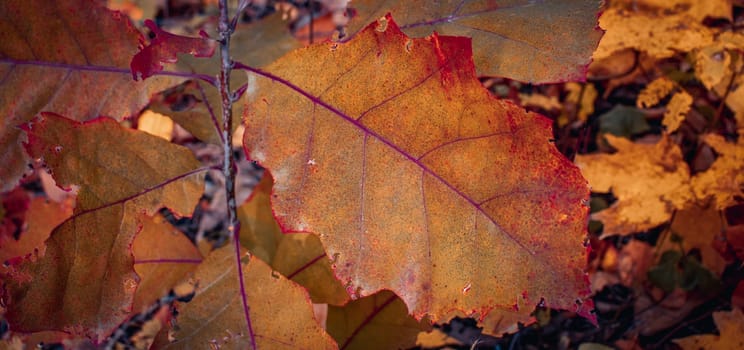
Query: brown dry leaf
x=633 y=262
x=723 y=181
x=650 y=181
x=654 y=92
x=653 y=316
x=731 y=328
x=677 y=110
x=659 y=36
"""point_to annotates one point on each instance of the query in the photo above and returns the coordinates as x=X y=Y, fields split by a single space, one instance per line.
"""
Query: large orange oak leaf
x=85 y=282
x=416 y=178
x=280 y=313
x=540 y=42
x=649 y=181
x=70 y=57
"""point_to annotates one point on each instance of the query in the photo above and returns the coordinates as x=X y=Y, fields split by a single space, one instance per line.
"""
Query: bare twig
x=226 y=27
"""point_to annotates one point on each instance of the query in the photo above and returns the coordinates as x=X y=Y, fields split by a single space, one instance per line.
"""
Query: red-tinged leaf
x=70 y=57
x=541 y=42
x=164 y=49
x=280 y=313
x=298 y=256
x=163 y=257
x=379 y=321
x=85 y=282
x=41 y=218
x=423 y=183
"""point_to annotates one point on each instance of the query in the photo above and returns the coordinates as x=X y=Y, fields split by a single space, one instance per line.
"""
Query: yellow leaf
x=696 y=9
x=723 y=181
x=649 y=181
x=659 y=36
x=731 y=329
x=655 y=92
x=677 y=111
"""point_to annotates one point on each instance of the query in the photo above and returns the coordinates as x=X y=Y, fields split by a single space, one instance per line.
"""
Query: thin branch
x=226 y=28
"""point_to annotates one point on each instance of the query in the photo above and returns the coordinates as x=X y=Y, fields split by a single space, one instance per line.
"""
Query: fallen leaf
x=649 y=181
x=723 y=182
x=677 y=110
x=698 y=10
x=654 y=92
x=405 y=195
x=54 y=58
x=698 y=227
x=380 y=319
x=731 y=328
x=553 y=40
x=659 y=36
x=280 y=313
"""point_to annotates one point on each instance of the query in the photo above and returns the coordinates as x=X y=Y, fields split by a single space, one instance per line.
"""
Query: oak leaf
x=424 y=184
x=546 y=41
x=649 y=181
x=731 y=328
x=41 y=217
x=298 y=256
x=70 y=57
x=380 y=319
x=280 y=313
x=163 y=257
x=85 y=282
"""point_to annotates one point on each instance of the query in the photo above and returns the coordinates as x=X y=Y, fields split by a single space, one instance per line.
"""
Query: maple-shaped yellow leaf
x=654 y=92
x=649 y=181
x=731 y=328
x=723 y=181
x=677 y=110
x=696 y=9
x=659 y=36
